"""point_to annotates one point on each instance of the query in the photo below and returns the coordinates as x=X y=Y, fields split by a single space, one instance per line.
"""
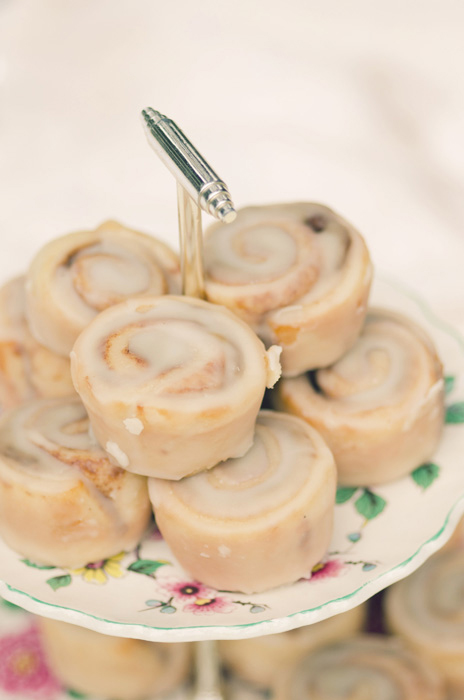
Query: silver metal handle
x=188 y=166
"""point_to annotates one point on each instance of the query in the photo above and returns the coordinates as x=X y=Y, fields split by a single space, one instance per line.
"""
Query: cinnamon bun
x=257 y=522
x=76 y=276
x=114 y=668
x=365 y=667
x=380 y=408
x=172 y=384
x=298 y=273
x=62 y=502
x=427 y=610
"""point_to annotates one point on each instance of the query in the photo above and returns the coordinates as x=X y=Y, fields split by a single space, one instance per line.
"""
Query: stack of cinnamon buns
x=119 y=395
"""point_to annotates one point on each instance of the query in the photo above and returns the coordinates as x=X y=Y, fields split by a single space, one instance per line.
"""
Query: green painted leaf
x=370 y=504
x=368 y=566
x=344 y=493
x=168 y=609
x=455 y=413
x=75 y=694
x=257 y=609
x=425 y=475
x=37 y=566
x=147 y=566
x=449 y=384
x=59 y=581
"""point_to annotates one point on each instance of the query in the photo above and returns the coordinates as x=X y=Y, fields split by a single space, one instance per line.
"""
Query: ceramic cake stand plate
x=381 y=535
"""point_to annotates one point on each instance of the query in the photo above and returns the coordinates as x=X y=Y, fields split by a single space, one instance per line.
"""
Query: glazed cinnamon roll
x=257 y=522
x=262 y=660
x=298 y=273
x=380 y=407
x=172 y=384
x=114 y=668
x=75 y=277
x=427 y=610
x=62 y=502
x=27 y=369
x=362 y=668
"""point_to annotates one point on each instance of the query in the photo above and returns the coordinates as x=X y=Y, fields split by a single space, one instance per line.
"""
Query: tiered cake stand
x=381 y=534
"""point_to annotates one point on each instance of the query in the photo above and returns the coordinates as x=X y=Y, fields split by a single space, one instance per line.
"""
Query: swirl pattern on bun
x=298 y=273
x=427 y=610
x=365 y=667
x=62 y=502
x=257 y=522
x=172 y=385
x=380 y=408
x=74 y=277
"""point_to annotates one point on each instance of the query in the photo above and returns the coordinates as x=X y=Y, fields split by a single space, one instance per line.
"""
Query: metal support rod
x=191 y=245
x=207 y=672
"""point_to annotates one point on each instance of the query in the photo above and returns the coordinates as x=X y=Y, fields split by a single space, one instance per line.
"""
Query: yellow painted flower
x=99 y=571
x=317 y=567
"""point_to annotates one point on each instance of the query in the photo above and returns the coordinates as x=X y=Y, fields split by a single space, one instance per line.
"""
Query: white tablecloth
x=357 y=104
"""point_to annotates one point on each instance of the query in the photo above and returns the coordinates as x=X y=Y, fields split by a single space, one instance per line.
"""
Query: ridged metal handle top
x=187 y=165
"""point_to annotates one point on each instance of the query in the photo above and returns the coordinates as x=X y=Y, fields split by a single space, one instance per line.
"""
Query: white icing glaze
x=270 y=473
x=391 y=360
x=273 y=364
x=380 y=407
x=115 y=451
x=76 y=276
x=297 y=273
x=258 y=521
x=133 y=425
x=48 y=441
x=241 y=254
x=162 y=354
x=185 y=369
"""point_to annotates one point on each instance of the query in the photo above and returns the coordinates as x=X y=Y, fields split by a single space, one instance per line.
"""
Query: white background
x=357 y=104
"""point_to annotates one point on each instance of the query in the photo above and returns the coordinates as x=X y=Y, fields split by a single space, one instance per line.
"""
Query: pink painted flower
x=23 y=669
x=206 y=606
x=327 y=569
x=185 y=590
